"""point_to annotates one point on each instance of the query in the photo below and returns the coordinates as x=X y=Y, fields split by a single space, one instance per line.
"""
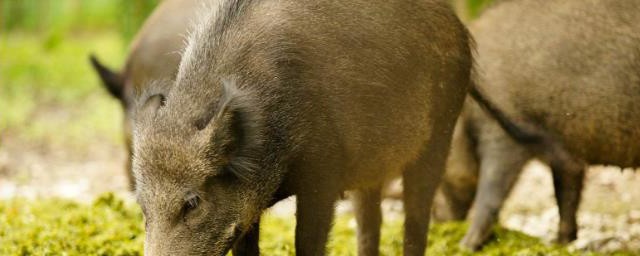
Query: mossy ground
x=109 y=226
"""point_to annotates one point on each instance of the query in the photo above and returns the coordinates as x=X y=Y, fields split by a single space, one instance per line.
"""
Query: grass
x=109 y=226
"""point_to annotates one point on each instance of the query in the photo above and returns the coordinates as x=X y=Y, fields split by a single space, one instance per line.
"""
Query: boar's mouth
x=230 y=241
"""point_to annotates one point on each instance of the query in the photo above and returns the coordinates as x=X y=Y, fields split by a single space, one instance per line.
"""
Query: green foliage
x=109 y=226
x=476 y=6
x=134 y=15
x=63 y=16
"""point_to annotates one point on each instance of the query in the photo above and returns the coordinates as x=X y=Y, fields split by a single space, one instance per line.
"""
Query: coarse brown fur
x=306 y=98
x=569 y=68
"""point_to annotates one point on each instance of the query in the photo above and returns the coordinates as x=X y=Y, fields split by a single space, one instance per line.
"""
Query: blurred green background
x=65 y=16
x=44 y=46
x=62 y=16
x=45 y=75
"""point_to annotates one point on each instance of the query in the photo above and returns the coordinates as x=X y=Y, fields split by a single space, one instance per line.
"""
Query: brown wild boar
x=154 y=56
x=571 y=70
x=306 y=98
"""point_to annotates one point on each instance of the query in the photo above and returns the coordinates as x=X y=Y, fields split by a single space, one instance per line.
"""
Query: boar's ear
x=235 y=131
x=147 y=108
x=149 y=100
x=153 y=103
x=113 y=81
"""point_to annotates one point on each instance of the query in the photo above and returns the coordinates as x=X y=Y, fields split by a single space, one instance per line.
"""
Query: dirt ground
x=33 y=171
x=609 y=216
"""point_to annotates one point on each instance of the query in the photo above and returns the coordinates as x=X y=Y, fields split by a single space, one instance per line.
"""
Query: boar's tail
x=112 y=81
x=521 y=131
x=527 y=133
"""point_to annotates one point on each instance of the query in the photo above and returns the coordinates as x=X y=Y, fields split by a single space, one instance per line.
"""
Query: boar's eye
x=191 y=202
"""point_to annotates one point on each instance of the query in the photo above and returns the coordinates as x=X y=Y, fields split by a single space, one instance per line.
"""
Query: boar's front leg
x=314 y=215
x=248 y=244
x=568 y=177
x=368 y=215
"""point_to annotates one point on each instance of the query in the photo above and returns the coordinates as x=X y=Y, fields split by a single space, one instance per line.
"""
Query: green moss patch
x=109 y=226
x=60 y=227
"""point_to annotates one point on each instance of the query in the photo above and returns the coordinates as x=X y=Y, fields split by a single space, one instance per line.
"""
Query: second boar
x=569 y=68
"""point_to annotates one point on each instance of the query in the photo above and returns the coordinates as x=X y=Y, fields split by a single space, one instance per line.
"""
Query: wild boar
x=571 y=70
x=305 y=98
x=154 y=56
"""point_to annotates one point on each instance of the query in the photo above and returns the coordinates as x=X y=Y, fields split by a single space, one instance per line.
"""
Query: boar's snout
x=204 y=239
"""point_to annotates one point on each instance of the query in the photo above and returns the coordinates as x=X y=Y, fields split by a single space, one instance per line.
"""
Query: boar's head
x=198 y=172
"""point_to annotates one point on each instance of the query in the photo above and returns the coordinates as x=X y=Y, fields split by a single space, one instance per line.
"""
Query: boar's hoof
x=567 y=235
x=473 y=240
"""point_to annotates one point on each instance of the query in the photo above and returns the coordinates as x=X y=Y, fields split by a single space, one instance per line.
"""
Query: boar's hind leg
x=501 y=162
x=420 y=180
x=248 y=244
x=567 y=181
x=458 y=188
x=314 y=215
x=369 y=217
x=453 y=201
